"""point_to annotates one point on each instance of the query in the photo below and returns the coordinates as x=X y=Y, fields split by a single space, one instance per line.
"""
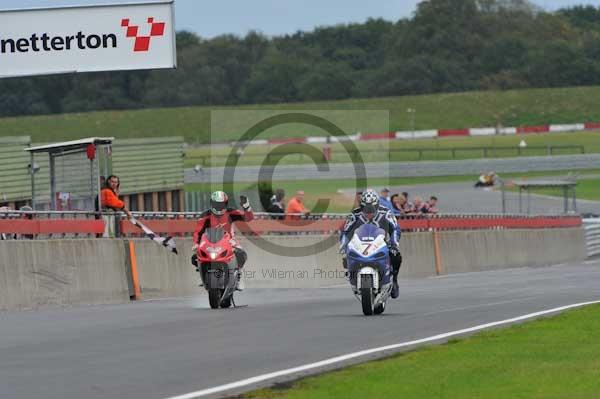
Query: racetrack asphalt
x=159 y=349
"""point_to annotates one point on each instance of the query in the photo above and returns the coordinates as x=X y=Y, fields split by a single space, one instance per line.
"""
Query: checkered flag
x=167 y=242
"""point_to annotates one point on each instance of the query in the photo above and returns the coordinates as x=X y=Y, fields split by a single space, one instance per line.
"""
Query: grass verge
x=553 y=358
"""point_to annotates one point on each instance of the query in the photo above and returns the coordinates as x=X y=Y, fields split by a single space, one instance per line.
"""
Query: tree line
x=446 y=46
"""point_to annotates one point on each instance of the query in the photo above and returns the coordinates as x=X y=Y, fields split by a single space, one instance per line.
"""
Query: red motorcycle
x=218 y=267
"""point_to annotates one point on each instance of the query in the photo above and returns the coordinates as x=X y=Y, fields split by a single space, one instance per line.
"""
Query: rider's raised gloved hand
x=244 y=202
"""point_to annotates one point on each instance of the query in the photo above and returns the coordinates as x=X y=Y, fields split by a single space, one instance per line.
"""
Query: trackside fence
x=43 y=225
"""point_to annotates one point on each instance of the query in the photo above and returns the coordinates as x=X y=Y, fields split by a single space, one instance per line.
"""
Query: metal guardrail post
x=118 y=225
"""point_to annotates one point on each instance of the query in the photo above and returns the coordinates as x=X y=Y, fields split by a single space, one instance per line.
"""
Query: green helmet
x=218 y=203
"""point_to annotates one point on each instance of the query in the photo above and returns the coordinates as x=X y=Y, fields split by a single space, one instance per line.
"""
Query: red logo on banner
x=142 y=43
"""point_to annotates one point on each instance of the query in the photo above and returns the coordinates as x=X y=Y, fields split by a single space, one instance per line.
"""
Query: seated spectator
x=277 y=205
x=384 y=199
x=430 y=207
x=296 y=206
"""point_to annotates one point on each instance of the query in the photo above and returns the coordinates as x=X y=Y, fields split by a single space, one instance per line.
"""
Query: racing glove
x=244 y=202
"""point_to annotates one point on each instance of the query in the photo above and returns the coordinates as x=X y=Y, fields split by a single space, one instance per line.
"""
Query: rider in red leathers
x=219 y=215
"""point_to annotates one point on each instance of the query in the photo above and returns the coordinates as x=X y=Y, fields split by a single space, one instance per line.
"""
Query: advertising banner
x=87 y=39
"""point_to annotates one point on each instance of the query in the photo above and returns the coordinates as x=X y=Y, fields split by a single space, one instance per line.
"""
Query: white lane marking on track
x=483 y=305
x=334 y=286
x=327 y=362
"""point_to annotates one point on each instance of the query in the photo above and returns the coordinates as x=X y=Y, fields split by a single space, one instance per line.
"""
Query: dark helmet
x=369 y=203
x=218 y=203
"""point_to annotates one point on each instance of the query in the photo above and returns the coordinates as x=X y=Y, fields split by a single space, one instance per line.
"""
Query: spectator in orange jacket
x=110 y=196
x=296 y=205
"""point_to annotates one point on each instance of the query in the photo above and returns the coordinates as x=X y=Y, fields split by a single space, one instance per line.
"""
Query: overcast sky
x=275 y=17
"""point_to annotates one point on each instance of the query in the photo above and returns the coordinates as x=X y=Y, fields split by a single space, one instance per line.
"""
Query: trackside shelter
x=77 y=169
x=15 y=181
x=151 y=172
x=525 y=187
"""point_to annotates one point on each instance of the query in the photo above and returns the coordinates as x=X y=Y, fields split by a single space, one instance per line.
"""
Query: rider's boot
x=395 y=288
x=195 y=263
x=240 y=282
x=396 y=264
x=345 y=266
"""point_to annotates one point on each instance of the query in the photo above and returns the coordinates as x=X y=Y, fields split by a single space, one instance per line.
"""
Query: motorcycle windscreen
x=369 y=232
x=214 y=235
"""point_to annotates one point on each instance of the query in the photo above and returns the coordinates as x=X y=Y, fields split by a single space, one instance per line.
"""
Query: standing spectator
x=384 y=199
x=277 y=205
x=396 y=206
x=404 y=204
x=110 y=196
x=417 y=206
x=430 y=206
x=296 y=206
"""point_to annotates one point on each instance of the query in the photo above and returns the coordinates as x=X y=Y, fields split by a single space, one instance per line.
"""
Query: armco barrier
x=182 y=224
x=51 y=226
x=327 y=224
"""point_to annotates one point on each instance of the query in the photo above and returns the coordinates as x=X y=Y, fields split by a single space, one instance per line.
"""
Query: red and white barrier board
x=434 y=133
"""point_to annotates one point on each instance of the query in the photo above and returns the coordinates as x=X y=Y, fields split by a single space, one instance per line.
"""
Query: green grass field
x=555 y=358
x=433 y=149
x=457 y=110
x=341 y=200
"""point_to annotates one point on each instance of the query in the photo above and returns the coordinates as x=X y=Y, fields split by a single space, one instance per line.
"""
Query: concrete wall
x=163 y=274
x=60 y=272
x=471 y=251
x=418 y=255
x=294 y=267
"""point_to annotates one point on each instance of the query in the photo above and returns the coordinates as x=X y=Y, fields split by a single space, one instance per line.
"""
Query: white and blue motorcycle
x=369 y=268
